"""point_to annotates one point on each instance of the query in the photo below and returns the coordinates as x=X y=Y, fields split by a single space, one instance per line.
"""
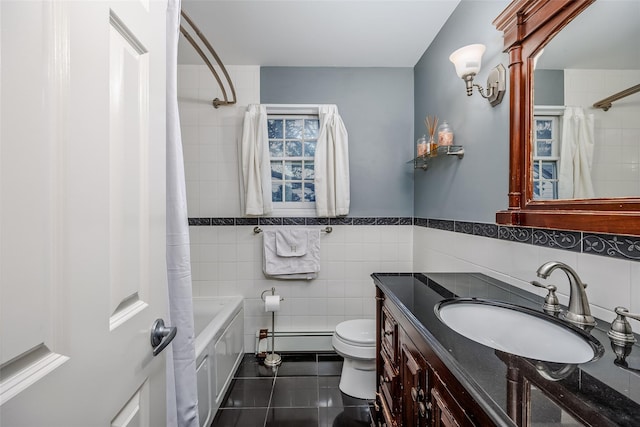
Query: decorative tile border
x=559 y=239
x=617 y=246
x=301 y=221
x=516 y=234
x=485 y=230
x=609 y=245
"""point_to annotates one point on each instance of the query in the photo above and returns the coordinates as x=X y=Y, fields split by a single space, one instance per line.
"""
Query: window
x=546 y=153
x=292 y=146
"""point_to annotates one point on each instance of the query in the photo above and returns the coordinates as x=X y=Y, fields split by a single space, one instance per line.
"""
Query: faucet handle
x=620 y=330
x=551 y=303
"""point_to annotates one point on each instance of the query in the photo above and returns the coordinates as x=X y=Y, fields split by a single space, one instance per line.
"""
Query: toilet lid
x=359 y=331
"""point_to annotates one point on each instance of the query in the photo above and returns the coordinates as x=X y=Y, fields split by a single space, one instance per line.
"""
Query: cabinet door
x=415 y=387
x=442 y=416
x=446 y=411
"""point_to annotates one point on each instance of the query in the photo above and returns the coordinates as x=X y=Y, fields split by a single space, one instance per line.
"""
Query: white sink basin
x=519 y=330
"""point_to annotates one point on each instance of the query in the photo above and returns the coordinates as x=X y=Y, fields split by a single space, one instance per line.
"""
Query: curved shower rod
x=216 y=102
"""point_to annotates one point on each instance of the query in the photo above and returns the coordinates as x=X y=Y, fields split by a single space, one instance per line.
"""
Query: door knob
x=161 y=335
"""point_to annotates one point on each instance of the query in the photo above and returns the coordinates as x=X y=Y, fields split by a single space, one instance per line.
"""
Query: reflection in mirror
x=545 y=412
x=580 y=151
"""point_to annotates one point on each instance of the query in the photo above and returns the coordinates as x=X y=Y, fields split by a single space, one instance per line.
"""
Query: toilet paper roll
x=272 y=303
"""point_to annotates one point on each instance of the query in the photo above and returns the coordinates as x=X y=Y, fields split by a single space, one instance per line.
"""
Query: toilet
x=355 y=341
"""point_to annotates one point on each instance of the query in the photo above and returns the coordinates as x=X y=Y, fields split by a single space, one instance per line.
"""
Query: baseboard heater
x=293 y=341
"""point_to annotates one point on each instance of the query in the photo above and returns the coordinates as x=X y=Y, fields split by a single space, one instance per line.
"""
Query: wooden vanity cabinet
x=414 y=388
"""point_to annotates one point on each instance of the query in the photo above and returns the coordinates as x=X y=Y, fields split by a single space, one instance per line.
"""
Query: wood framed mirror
x=528 y=26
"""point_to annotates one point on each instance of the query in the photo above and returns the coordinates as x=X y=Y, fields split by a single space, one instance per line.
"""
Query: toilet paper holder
x=272 y=359
x=273 y=292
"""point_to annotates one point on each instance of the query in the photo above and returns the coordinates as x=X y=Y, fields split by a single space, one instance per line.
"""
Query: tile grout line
x=273 y=386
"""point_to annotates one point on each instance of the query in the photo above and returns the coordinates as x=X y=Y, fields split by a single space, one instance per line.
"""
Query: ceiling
x=318 y=33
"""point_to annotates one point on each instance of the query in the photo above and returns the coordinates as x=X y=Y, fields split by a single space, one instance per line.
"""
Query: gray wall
x=548 y=87
x=376 y=105
x=474 y=188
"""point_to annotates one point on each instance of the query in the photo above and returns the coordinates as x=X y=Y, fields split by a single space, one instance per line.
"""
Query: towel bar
x=327 y=229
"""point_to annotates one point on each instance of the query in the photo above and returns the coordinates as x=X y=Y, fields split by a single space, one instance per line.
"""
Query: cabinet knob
x=414 y=394
x=422 y=410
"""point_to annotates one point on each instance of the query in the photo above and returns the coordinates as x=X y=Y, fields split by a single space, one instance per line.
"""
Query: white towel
x=292 y=267
x=291 y=243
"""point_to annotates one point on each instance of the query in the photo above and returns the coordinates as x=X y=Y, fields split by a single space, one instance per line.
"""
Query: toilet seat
x=358 y=332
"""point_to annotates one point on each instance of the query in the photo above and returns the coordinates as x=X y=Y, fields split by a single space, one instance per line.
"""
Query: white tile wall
x=610 y=281
x=228 y=261
x=616 y=157
x=210 y=137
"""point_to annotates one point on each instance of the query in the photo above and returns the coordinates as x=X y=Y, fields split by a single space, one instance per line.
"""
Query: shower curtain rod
x=216 y=102
x=605 y=104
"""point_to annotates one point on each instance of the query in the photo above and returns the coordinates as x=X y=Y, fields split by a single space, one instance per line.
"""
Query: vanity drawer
x=389 y=335
x=390 y=384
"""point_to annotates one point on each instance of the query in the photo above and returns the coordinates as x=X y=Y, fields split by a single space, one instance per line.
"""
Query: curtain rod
x=605 y=104
x=216 y=102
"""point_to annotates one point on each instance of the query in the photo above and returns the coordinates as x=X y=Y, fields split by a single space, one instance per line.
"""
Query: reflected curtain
x=576 y=156
x=331 y=164
x=256 y=164
x=182 y=398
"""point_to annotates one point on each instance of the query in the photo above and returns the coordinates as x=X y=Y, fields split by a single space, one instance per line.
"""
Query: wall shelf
x=422 y=162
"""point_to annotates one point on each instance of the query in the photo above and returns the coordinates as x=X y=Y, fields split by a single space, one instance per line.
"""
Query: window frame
x=554 y=114
x=293 y=209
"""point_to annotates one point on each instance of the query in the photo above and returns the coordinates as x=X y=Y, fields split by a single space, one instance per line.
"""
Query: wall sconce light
x=467 y=61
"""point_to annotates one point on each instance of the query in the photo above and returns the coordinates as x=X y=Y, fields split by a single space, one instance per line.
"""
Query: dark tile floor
x=301 y=392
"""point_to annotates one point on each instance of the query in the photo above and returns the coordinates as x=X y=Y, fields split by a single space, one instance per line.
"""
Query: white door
x=82 y=214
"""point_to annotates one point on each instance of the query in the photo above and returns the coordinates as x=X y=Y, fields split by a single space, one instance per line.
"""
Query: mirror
x=585 y=63
x=529 y=26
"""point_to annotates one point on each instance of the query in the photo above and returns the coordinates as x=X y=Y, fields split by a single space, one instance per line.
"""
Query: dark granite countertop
x=602 y=387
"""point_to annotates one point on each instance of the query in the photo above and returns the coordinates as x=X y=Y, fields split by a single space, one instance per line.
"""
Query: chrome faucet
x=579 y=312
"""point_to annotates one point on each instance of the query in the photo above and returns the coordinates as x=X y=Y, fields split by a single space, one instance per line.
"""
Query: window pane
x=276 y=149
x=544 y=148
x=549 y=170
x=293 y=129
x=309 y=171
x=311 y=129
x=293 y=192
x=276 y=170
x=309 y=192
x=310 y=148
x=536 y=170
x=548 y=190
x=293 y=170
x=293 y=148
x=276 y=191
x=275 y=128
x=543 y=128
x=536 y=189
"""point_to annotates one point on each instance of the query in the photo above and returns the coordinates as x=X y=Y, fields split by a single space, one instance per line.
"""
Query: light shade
x=468 y=59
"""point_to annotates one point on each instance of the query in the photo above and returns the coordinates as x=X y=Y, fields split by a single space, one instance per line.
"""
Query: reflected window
x=546 y=148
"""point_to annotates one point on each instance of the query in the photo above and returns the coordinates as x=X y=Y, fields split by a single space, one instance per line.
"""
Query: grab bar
x=605 y=104
x=216 y=102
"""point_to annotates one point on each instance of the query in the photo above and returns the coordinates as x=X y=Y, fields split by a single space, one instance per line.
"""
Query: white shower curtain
x=332 y=164
x=182 y=397
x=576 y=155
x=256 y=164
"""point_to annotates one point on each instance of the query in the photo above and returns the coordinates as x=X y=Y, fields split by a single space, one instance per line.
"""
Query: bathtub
x=219 y=329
